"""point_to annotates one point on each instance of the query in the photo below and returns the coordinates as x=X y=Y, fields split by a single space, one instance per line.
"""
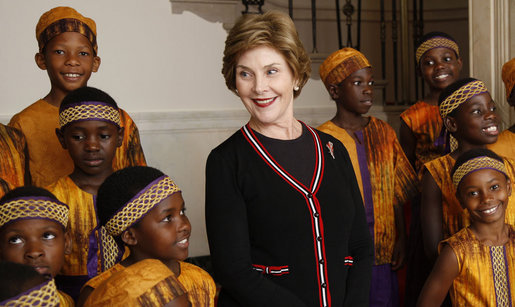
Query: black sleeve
x=227 y=230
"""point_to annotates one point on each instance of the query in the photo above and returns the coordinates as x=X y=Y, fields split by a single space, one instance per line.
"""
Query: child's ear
x=60 y=136
x=460 y=65
x=40 y=60
x=333 y=91
x=450 y=124
x=96 y=63
x=120 y=137
x=129 y=237
x=67 y=243
x=508 y=186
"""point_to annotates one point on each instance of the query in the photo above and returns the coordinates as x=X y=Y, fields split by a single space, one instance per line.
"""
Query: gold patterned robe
x=12 y=159
x=505 y=145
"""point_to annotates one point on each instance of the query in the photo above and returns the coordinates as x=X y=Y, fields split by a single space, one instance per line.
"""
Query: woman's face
x=265 y=84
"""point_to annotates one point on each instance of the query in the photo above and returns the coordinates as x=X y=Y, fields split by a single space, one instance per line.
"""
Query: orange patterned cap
x=340 y=64
x=65 y=19
x=508 y=76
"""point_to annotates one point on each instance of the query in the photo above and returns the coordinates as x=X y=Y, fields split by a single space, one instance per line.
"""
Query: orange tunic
x=425 y=123
x=145 y=283
x=12 y=159
x=384 y=173
x=197 y=282
x=505 y=145
x=486 y=273
x=48 y=160
x=455 y=217
x=65 y=300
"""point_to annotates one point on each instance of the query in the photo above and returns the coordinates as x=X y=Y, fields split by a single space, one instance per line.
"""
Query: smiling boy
x=90 y=131
x=68 y=51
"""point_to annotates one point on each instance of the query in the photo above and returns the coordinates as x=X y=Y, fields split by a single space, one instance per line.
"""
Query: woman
x=285 y=220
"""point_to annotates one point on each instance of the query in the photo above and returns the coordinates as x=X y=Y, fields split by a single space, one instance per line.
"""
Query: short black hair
x=474 y=153
x=120 y=187
x=17 y=278
x=453 y=87
x=26 y=191
x=87 y=93
x=430 y=35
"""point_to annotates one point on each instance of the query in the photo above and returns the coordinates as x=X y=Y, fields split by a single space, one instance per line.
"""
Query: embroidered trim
x=436 y=42
x=89 y=110
x=44 y=294
x=476 y=164
x=33 y=207
x=461 y=95
x=349 y=261
x=271 y=270
x=500 y=275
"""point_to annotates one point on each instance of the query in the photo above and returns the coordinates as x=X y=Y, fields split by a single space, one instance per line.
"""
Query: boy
x=91 y=132
x=33 y=232
x=439 y=64
x=385 y=176
x=142 y=209
x=468 y=114
x=68 y=52
x=505 y=145
x=21 y=285
x=476 y=264
x=14 y=170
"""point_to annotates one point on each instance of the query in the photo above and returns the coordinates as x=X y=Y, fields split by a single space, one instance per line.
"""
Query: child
x=21 y=285
x=476 y=264
x=468 y=113
x=385 y=176
x=143 y=209
x=33 y=232
x=439 y=64
x=68 y=52
x=14 y=171
x=505 y=145
x=90 y=131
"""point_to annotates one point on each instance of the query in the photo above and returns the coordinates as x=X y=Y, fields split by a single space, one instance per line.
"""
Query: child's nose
x=72 y=59
x=92 y=144
x=34 y=251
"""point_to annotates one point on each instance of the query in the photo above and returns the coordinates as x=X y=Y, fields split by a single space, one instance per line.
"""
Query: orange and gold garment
x=455 y=217
x=12 y=159
x=505 y=145
x=83 y=260
x=425 y=123
x=65 y=300
x=48 y=160
x=486 y=273
x=385 y=177
x=198 y=283
x=146 y=283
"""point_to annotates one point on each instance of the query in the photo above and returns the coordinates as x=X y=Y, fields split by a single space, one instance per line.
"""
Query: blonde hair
x=273 y=29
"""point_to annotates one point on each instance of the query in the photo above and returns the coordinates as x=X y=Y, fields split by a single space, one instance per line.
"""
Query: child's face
x=69 y=61
x=91 y=144
x=485 y=194
x=39 y=243
x=354 y=93
x=475 y=121
x=439 y=67
x=165 y=231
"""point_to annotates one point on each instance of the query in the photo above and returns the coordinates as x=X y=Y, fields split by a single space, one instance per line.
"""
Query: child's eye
x=357 y=83
x=59 y=52
x=78 y=137
x=447 y=59
x=473 y=193
x=429 y=62
x=168 y=218
x=105 y=136
x=84 y=53
x=183 y=211
x=371 y=83
x=15 y=240
x=495 y=187
x=48 y=236
x=476 y=111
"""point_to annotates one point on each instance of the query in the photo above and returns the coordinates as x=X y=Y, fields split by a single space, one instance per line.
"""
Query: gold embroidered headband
x=476 y=164
x=44 y=294
x=436 y=42
x=461 y=95
x=89 y=110
x=129 y=214
x=33 y=207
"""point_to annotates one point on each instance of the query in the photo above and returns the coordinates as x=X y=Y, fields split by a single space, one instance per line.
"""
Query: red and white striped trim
x=272 y=270
x=311 y=201
x=349 y=261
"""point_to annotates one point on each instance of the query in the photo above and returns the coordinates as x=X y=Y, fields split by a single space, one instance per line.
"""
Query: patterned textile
x=89 y=110
x=146 y=283
x=12 y=159
x=65 y=300
x=505 y=145
x=65 y=19
x=44 y=295
x=33 y=207
x=476 y=164
x=48 y=160
x=461 y=95
x=455 y=217
x=425 y=123
x=340 y=64
x=391 y=179
x=508 y=76
x=486 y=273
x=198 y=283
x=436 y=42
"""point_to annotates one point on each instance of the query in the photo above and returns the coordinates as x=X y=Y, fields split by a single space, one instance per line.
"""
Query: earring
x=296 y=88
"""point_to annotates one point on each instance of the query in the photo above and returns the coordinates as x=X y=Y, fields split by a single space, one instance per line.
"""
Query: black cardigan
x=275 y=242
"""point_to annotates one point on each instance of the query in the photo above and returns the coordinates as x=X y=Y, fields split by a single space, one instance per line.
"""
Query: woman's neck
x=286 y=130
